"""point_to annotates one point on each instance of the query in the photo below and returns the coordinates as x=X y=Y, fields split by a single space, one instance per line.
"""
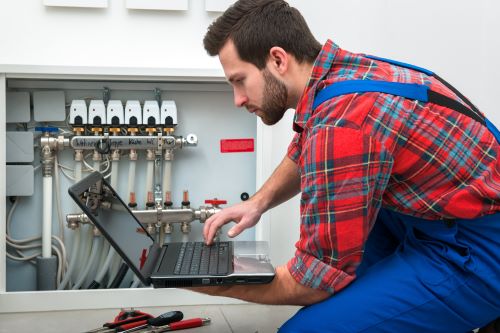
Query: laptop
x=172 y=265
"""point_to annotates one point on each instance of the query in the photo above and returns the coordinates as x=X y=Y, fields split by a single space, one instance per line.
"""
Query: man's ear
x=279 y=60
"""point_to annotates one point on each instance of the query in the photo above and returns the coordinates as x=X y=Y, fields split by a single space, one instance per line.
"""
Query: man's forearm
x=282 y=185
x=282 y=290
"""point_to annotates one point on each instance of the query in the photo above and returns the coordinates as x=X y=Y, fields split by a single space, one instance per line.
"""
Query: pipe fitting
x=205 y=212
x=168 y=228
x=73 y=225
x=186 y=227
x=78 y=155
x=151 y=229
x=150 y=155
x=115 y=155
x=54 y=143
x=76 y=220
x=47 y=157
x=169 y=155
x=96 y=156
x=132 y=155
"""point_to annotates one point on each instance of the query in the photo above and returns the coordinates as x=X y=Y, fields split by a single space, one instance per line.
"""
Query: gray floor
x=246 y=318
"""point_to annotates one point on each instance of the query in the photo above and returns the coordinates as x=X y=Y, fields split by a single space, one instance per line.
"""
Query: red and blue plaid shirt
x=360 y=152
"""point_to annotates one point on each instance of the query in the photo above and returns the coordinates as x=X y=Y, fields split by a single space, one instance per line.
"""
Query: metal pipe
x=175 y=215
x=127 y=142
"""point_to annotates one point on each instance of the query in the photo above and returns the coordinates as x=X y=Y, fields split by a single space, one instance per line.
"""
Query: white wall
x=31 y=33
x=456 y=38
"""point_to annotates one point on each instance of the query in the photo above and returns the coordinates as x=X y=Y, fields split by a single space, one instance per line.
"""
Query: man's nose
x=240 y=99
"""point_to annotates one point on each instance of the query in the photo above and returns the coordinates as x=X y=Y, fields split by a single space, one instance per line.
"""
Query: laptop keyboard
x=196 y=258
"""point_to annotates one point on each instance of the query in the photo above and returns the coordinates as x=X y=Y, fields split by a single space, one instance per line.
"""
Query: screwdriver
x=180 y=325
x=163 y=319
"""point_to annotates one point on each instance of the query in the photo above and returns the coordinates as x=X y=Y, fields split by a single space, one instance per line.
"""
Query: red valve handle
x=216 y=202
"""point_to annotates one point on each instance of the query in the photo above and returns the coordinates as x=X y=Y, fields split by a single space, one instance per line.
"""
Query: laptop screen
x=118 y=224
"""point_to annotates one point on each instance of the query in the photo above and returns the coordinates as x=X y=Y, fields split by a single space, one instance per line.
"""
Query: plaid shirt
x=360 y=152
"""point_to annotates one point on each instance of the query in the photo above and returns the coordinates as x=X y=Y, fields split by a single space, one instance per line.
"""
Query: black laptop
x=173 y=264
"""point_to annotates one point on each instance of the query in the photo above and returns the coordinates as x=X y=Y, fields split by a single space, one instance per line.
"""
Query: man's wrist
x=260 y=203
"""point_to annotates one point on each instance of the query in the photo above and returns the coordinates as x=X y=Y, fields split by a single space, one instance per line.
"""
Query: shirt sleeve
x=343 y=176
x=293 y=151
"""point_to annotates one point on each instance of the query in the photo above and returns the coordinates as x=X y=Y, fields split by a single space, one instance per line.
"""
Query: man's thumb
x=234 y=231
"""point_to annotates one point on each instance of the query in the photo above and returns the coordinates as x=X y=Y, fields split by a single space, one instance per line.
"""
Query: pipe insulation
x=46 y=273
x=47 y=218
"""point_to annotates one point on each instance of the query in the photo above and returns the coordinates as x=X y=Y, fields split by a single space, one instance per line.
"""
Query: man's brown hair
x=255 y=26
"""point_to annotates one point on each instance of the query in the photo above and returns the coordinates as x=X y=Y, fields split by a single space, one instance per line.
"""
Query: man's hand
x=283 y=184
x=245 y=214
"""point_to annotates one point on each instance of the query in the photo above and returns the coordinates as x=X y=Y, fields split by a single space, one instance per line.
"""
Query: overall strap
x=493 y=130
x=413 y=91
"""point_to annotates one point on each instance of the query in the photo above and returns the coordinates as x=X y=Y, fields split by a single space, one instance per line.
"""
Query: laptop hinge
x=150 y=263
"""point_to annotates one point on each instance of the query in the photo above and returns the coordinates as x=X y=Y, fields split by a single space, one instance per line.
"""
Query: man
x=400 y=190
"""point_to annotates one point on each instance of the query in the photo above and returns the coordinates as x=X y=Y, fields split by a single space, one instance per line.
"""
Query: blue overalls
x=416 y=276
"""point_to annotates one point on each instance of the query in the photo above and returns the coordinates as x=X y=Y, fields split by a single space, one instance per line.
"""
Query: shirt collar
x=321 y=67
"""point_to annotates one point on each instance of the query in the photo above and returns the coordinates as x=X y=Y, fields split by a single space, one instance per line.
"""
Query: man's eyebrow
x=233 y=77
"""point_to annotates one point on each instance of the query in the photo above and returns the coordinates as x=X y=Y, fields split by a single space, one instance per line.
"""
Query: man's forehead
x=229 y=54
x=231 y=62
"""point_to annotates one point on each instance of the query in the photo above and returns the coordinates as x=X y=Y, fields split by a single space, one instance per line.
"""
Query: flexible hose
x=104 y=269
x=136 y=282
x=131 y=177
x=96 y=244
x=149 y=180
x=72 y=261
x=114 y=269
x=114 y=174
x=167 y=177
x=58 y=197
x=119 y=276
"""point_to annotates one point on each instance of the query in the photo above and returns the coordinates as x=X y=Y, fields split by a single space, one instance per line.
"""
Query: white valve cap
x=169 y=113
x=192 y=139
x=114 y=113
x=133 y=113
x=151 y=113
x=78 y=112
x=97 y=112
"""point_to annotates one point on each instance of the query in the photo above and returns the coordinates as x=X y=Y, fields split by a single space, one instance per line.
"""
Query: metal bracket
x=157 y=93
x=106 y=93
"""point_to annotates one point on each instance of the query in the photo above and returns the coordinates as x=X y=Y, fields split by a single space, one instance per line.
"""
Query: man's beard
x=274 y=104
